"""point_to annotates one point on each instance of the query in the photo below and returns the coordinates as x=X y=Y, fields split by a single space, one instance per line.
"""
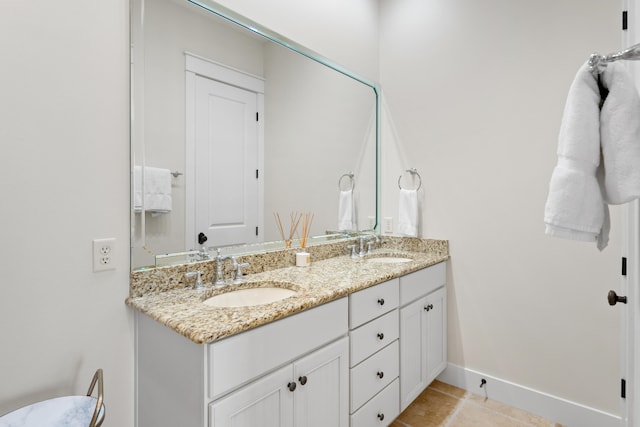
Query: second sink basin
x=250 y=296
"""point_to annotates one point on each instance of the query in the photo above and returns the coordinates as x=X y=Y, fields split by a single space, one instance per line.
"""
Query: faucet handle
x=198 y=284
x=353 y=250
x=238 y=266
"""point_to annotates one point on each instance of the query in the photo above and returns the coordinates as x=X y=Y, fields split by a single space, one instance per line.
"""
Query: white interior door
x=226 y=163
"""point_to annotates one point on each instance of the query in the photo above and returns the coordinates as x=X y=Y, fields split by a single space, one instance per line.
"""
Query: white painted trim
x=536 y=402
x=223 y=73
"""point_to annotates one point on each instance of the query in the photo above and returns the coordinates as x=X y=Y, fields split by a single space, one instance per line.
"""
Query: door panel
x=226 y=160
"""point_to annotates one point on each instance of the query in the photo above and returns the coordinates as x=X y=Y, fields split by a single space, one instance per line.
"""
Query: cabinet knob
x=381 y=417
x=428 y=307
x=303 y=380
x=380 y=374
x=380 y=336
x=291 y=386
x=381 y=301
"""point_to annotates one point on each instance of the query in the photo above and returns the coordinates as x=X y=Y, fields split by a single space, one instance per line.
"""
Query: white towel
x=346 y=211
x=408 y=213
x=157 y=190
x=620 y=136
x=581 y=183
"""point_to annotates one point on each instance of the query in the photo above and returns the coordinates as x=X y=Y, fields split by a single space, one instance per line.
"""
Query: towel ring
x=414 y=172
x=347 y=175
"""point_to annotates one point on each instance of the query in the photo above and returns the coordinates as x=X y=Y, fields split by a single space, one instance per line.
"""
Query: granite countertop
x=182 y=310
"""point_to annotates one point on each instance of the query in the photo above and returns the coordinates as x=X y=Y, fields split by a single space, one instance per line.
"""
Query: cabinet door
x=322 y=394
x=267 y=402
x=412 y=351
x=436 y=333
x=423 y=344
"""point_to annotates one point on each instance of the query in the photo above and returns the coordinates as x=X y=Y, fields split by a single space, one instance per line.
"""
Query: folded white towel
x=346 y=211
x=408 y=213
x=581 y=183
x=157 y=190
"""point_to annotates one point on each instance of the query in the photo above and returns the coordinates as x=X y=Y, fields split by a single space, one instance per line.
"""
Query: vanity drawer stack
x=374 y=354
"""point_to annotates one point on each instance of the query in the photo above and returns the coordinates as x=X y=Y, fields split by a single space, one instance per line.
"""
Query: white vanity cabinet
x=374 y=363
x=291 y=372
x=423 y=331
x=311 y=392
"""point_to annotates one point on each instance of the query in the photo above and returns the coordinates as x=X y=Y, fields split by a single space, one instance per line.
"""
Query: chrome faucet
x=219 y=277
x=365 y=241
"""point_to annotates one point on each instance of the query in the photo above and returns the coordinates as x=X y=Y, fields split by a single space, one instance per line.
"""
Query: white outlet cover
x=103 y=252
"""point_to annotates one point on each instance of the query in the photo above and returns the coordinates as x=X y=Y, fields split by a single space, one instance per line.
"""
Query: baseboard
x=545 y=405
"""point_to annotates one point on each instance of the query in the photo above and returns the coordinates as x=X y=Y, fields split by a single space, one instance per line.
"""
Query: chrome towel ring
x=347 y=175
x=413 y=172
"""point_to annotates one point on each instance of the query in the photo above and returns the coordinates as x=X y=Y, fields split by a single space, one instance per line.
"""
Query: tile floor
x=442 y=405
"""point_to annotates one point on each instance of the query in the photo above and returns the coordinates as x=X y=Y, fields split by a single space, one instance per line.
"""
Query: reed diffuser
x=293 y=227
x=307 y=219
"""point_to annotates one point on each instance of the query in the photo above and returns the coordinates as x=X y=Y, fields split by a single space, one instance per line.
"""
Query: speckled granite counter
x=163 y=294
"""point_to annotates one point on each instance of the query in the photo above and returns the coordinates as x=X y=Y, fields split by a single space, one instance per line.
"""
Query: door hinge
x=624 y=266
x=256 y=231
x=623 y=388
x=625 y=22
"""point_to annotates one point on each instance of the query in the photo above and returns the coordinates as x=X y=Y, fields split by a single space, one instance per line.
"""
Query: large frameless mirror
x=233 y=127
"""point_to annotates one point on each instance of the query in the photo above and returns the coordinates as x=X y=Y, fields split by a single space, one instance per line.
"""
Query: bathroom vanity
x=359 y=341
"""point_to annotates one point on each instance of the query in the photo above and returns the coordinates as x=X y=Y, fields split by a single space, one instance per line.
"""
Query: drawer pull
x=428 y=307
x=380 y=374
x=380 y=336
x=381 y=417
x=303 y=380
x=291 y=386
x=381 y=301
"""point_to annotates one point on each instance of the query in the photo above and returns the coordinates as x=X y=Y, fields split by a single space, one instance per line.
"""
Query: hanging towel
x=157 y=190
x=620 y=136
x=346 y=211
x=408 y=213
x=582 y=184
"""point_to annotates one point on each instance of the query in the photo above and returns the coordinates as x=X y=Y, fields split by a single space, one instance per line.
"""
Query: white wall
x=474 y=95
x=64 y=111
x=345 y=32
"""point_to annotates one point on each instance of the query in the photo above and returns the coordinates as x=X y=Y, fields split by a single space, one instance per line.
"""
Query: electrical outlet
x=387 y=225
x=103 y=252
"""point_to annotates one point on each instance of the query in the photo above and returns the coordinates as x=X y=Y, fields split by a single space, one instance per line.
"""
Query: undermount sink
x=389 y=260
x=250 y=296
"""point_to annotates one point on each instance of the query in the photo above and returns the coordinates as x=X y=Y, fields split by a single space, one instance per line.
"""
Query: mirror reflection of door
x=227 y=204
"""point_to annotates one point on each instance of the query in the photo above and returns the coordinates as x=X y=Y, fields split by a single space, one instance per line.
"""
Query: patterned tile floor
x=442 y=405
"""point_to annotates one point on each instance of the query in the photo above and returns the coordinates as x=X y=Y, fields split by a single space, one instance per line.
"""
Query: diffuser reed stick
x=307 y=219
x=293 y=227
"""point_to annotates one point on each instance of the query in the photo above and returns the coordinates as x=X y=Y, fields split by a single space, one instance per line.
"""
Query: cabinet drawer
x=372 y=375
x=238 y=359
x=372 y=336
x=420 y=283
x=379 y=411
x=372 y=302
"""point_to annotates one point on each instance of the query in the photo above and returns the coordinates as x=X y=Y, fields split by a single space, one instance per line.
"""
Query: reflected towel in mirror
x=346 y=211
x=157 y=190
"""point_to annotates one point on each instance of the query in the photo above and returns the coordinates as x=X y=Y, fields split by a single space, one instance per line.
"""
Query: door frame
x=196 y=65
x=630 y=284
